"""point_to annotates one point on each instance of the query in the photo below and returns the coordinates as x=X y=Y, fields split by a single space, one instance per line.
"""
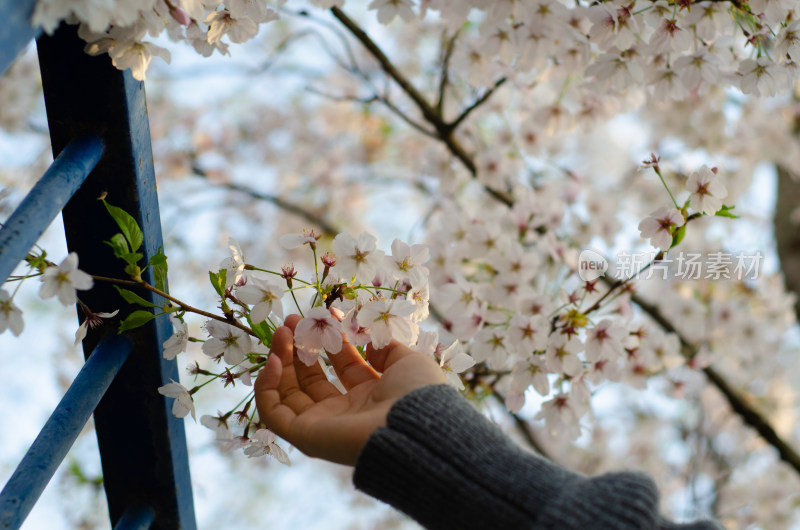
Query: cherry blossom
x=387 y=320
x=183 y=404
x=10 y=315
x=178 y=341
x=660 y=226
x=263 y=443
x=453 y=361
x=266 y=297
x=91 y=321
x=63 y=280
x=357 y=258
x=604 y=341
x=405 y=258
x=234 y=265
x=230 y=342
x=292 y=241
x=316 y=332
x=706 y=191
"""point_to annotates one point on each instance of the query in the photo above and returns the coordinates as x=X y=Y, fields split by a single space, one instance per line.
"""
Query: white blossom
x=63 y=280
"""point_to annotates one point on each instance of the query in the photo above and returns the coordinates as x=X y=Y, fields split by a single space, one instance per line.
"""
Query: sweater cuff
x=441 y=462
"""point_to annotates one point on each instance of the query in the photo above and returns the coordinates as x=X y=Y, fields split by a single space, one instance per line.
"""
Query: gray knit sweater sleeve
x=441 y=462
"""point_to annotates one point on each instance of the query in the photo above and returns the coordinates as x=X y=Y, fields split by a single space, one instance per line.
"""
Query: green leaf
x=135 y=319
x=133 y=298
x=218 y=281
x=725 y=211
x=159 y=264
x=128 y=225
x=263 y=331
x=119 y=245
x=678 y=236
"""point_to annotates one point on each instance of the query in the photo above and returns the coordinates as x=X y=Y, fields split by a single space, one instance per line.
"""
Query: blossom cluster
x=357 y=291
x=675 y=49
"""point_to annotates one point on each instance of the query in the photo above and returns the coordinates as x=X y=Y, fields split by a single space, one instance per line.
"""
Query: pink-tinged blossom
x=706 y=191
x=178 y=341
x=405 y=259
x=659 y=226
x=10 y=315
x=263 y=442
x=387 y=320
x=604 y=341
x=490 y=344
x=183 y=404
x=670 y=37
x=528 y=334
x=530 y=372
x=561 y=416
x=234 y=266
x=293 y=241
x=356 y=334
x=562 y=355
x=226 y=340
x=63 y=280
x=316 y=332
x=265 y=297
x=357 y=257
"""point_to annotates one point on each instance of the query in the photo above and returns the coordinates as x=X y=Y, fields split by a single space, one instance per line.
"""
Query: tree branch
x=327 y=228
x=478 y=102
x=444 y=130
x=448 y=46
x=737 y=402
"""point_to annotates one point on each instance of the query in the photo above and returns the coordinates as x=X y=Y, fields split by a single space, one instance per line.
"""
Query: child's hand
x=299 y=404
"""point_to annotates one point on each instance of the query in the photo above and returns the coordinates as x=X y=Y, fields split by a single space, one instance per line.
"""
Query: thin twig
x=182 y=305
x=478 y=102
x=327 y=228
x=448 y=46
x=444 y=131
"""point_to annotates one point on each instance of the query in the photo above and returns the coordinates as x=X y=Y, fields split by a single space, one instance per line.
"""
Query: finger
x=313 y=381
x=351 y=369
x=382 y=358
x=288 y=386
x=291 y=321
x=275 y=415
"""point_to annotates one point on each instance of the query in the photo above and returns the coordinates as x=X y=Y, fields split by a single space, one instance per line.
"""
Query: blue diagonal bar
x=139 y=517
x=64 y=176
x=15 y=31
x=62 y=428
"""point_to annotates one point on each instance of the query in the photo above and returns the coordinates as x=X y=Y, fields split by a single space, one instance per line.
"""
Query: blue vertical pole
x=142 y=446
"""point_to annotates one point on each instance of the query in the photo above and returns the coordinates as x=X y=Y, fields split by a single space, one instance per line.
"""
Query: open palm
x=299 y=404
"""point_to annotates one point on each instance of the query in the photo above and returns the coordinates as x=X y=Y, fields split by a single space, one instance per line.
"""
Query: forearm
x=442 y=463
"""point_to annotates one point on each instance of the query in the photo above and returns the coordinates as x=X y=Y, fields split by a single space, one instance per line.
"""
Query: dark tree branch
x=444 y=130
x=448 y=46
x=478 y=102
x=738 y=403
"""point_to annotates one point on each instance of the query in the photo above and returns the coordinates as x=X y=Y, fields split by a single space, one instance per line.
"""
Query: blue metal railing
x=100 y=137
